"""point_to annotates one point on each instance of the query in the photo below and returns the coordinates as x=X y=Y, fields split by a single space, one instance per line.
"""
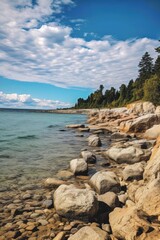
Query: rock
x=109 y=198
x=75 y=126
x=152 y=169
x=88 y=156
x=105 y=181
x=127 y=223
x=72 y=202
x=78 y=166
x=53 y=182
x=43 y=222
x=141 y=107
x=147 y=198
x=94 y=141
x=26 y=196
x=118 y=135
x=65 y=175
x=157 y=111
x=128 y=155
x=48 y=204
x=140 y=124
x=60 y=236
x=123 y=198
x=84 y=129
x=90 y=233
x=134 y=171
x=153 y=132
x=106 y=227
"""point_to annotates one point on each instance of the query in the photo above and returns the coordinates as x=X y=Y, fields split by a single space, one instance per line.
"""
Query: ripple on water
x=28 y=137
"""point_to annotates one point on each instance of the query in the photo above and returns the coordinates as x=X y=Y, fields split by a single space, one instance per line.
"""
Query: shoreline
x=124 y=167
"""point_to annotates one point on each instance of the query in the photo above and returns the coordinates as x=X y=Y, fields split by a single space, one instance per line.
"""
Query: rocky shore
x=105 y=193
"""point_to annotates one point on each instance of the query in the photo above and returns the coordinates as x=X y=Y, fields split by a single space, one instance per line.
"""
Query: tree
x=152 y=90
x=157 y=66
x=145 y=67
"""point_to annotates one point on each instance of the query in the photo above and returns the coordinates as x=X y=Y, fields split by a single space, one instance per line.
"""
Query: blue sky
x=55 y=51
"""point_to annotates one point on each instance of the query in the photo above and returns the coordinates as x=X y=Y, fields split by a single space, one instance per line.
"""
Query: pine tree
x=145 y=67
x=157 y=66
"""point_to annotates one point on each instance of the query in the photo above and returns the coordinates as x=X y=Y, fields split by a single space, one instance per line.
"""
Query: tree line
x=145 y=87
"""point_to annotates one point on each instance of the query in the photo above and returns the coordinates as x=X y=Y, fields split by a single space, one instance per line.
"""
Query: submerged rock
x=94 y=141
x=103 y=182
x=75 y=126
x=53 y=182
x=72 y=202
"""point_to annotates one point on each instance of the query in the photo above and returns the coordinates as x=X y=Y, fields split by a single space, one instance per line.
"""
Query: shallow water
x=34 y=146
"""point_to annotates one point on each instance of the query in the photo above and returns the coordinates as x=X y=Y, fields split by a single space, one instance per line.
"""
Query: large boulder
x=128 y=155
x=72 y=202
x=90 y=233
x=140 y=124
x=88 y=156
x=153 y=132
x=134 y=171
x=94 y=141
x=127 y=223
x=104 y=182
x=78 y=166
x=152 y=169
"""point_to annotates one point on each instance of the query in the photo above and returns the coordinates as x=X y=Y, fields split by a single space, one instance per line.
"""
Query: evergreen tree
x=145 y=67
x=157 y=66
x=152 y=90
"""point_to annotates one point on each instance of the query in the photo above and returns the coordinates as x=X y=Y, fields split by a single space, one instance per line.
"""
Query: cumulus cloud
x=34 y=49
x=15 y=100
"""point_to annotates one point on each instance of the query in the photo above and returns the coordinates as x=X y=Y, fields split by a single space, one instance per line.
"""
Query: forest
x=146 y=87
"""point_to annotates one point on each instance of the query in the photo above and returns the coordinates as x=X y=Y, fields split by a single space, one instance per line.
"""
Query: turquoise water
x=33 y=145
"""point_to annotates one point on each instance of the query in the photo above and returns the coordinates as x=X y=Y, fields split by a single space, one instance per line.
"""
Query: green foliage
x=152 y=90
x=145 y=87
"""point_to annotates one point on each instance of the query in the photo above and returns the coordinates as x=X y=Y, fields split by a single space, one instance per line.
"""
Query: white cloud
x=36 y=51
x=15 y=100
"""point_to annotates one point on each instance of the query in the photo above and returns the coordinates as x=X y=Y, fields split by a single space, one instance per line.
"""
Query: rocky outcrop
x=88 y=156
x=152 y=169
x=94 y=141
x=140 y=124
x=90 y=233
x=141 y=107
x=152 y=133
x=127 y=223
x=134 y=171
x=78 y=166
x=72 y=202
x=128 y=154
x=104 y=182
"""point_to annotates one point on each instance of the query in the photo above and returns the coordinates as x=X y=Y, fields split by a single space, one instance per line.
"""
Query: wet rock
x=78 y=166
x=53 y=182
x=88 y=156
x=72 y=202
x=105 y=181
x=85 y=129
x=76 y=126
x=94 y=141
x=65 y=174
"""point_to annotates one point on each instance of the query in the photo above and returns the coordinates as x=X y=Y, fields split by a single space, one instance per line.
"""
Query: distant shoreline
x=60 y=111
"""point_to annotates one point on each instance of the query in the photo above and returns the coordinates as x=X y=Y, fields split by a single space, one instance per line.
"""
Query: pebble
x=43 y=222
x=59 y=236
x=47 y=204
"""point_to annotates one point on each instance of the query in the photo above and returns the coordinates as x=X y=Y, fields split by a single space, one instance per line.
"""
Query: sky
x=53 y=52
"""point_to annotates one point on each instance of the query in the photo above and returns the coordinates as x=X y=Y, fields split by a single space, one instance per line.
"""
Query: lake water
x=33 y=147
